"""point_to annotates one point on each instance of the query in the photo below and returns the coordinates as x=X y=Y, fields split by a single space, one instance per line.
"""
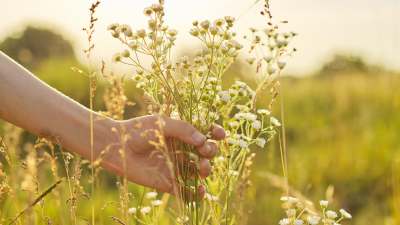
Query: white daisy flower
x=132 y=210
x=323 y=203
x=233 y=172
x=345 y=214
x=298 y=222
x=240 y=116
x=313 y=220
x=260 y=142
x=234 y=125
x=331 y=214
x=274 y=122
x=285 y=221
x=172 y=32
x=281 y=65
x=219 y=159
x=263 y=112
x=242 y=144
x=250 y=117
x=145 y=210
x=156 y=202
x=250 y=60
x=151 y=195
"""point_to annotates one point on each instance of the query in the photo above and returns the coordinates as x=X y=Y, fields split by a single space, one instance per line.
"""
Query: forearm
x=27 y=102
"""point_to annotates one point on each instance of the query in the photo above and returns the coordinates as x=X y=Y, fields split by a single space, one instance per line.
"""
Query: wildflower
x=241 y=84
x=145 y=210
x=156 y=202
x=271 y=70
x=225 y=98
x=250 y=117
x=205 y=24
x=269 y=31
x=242 y=92
x=212 y=80
x=126 y=53
x=136 y=77
x=164 y=28
x=113 y=26
x=124 y=27
x=263 y=112
x=156 y=7
x=292 y=212
x=128 y=33
x=184 y=59
x=200 y=71
x=116 y=57
x=213 y=30
x=195 y=23
x=151 y=195
x=331 y=215
x=279 y=43
x=221 y=33
x=240 y=116
x=159 y=40
x=345 y=214
x=238 y=46
x=267 y=58
x=271 y=46
x=115 y=33
x=252 y=95
x=229 y=19
x=168 y=65
x=132 y=210
x=140 y=71
x=236 y=136
x=227 y=133
x=323 y=203
x=309 y=203
x=219 y=159
x=199 y=52
x=171 y=39
x=313 y=220
x=172 y=32
x=242 y=144
x=140 y=85
x=152 y=23
x=233 y=172
x=134 y=45
x=232 y=92
x=230 y=141
x=285 y=221
x=147 y=11
x=328 y=221
x=227 y=36
x=194 y=32
x=135 y=36
x=274 y=122
x=260 y=142
x=256 y=125
x=281 y=65
x=298 y=222
x=224 y=49
x=141 y=33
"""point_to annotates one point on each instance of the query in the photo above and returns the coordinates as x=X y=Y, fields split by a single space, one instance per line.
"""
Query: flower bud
x=195 y=23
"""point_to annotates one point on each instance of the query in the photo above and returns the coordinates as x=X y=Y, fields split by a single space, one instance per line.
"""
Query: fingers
x=217 y=132
x=184 y=131
x=208 y=150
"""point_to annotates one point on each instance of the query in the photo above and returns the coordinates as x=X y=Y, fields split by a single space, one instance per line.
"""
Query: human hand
x=145 y=167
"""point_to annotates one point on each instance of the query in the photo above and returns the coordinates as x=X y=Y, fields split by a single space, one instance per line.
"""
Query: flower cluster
x=293 y=217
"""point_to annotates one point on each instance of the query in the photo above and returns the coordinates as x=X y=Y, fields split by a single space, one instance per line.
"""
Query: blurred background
x=340 y=89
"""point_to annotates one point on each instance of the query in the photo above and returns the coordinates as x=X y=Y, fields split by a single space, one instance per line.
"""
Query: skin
x=27 y=102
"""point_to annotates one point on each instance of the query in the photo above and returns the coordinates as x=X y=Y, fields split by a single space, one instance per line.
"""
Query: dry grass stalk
x=78 y=189
x=116 y=219
x=244 y=184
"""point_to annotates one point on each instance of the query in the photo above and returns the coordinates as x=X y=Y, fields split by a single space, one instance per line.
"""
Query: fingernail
x=198 y=137
x=208 y=150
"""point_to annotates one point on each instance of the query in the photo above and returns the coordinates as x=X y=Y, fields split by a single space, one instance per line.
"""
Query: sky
x=369 y=28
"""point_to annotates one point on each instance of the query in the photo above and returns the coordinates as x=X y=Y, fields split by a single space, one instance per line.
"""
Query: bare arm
x=27 y=102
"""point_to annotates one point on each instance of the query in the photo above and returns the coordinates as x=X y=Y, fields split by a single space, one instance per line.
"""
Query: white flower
x=228 y=133
x=250 y=117
x=229 y=19
x=233 y=172
x=234 y=125
x=345 y=214
x=241 y=84
x=141 y=33
x=292 y=212
x=194 y=31
x=260 y=142
x=172 y=32
x=309 y=203
x=285 y=221
x=240 y=116
x=313 y=220
x=151 y=195
x=236 y=136
x=212 y=80
x=219 y=22
x=256 y=125
x=224 y=49
x=132 y=210
x=134 y=45
x=298 y=222
x=184 y=59
x=323 y=203
x=113 y=26
x=140 y=85
x=125 y=53
x=250 y=60
x=274 y=122
x=116 y=57
x=245 y=137
x=230 y=141
x=242 y=92
x=242 y=144
x=136 y=77
x=145 y=210
x=225 y=98
x=219 y=159
x=267 y=58
x=263 y=112
x=147 y=11
x=232 y=92
x=210 y=197
x=156 y=202
x=281 y=65
x=331 y=214
x=271 y=70
x=213 y=30
x=205 y=24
